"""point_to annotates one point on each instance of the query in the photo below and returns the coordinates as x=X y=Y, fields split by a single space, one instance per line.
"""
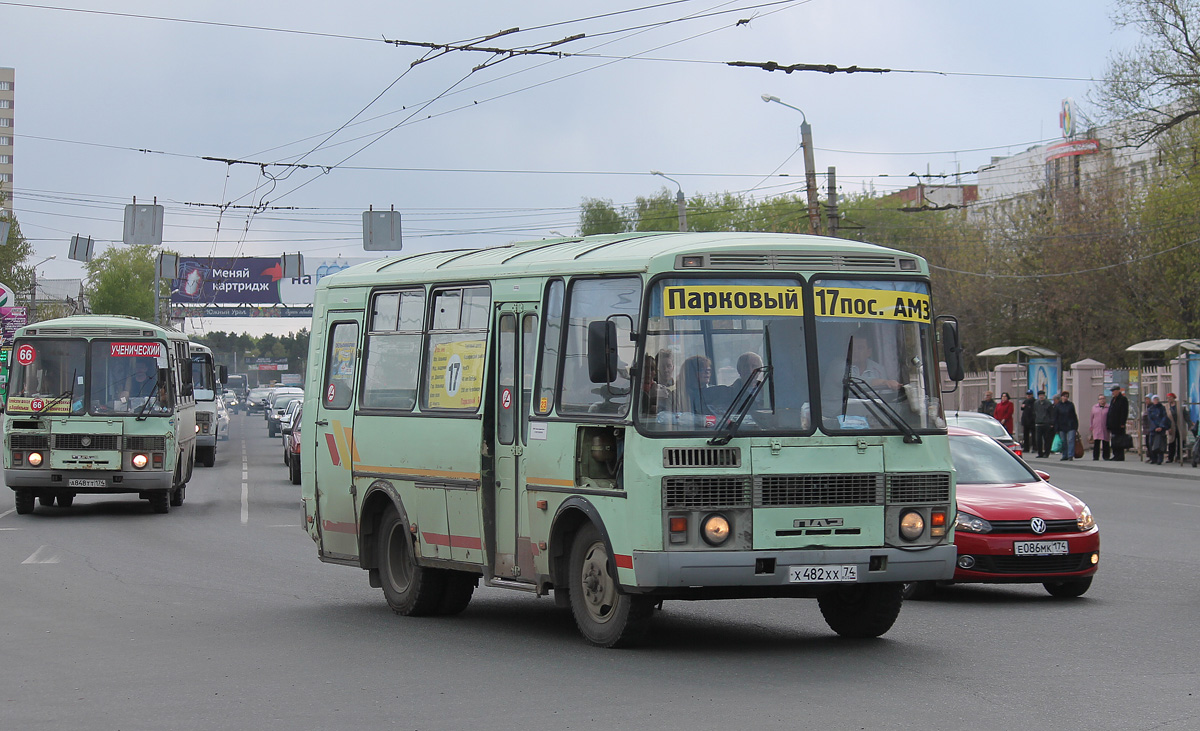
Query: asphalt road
x=219 y=616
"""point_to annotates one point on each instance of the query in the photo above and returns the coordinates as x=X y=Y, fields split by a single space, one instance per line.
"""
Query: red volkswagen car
x=1014 y=527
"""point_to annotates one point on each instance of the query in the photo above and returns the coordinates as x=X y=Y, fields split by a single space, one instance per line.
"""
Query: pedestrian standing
x=1066 y=423
x=1158 y=424
x=1027 y=422
x=1043 y=419
x=1100 y=442
x=988 y=405
x=1181 y=422
x=1118 y=414
x=1004 y=412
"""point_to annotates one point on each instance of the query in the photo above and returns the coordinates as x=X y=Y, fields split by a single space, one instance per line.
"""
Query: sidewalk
x=1131 y=466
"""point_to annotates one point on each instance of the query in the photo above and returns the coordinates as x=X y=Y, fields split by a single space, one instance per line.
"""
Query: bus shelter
x=1162 y=352
x=1042 y=367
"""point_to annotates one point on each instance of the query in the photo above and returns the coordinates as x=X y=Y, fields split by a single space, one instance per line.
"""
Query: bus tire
x=160 y=501
x=410 y=590
x=65 y=499
x=605 y=616
x=208 y=456
x=46 y=500
x=294 y=471
x=25 y=500
x=177 y=496
x=457 y=594
x=862 y=610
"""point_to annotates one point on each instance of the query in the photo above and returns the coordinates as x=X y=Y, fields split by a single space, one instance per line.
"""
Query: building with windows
x=7 y=82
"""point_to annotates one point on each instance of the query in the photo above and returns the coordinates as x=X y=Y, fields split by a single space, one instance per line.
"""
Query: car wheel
x=862 y=610
x=604 y=615
x=25 y=501
x=294 y=471
x=410 y=590
x=1068 y=589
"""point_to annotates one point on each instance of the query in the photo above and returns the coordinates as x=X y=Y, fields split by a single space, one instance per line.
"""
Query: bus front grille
x=818 y=490
x=918 y=487
x=146 y=444
x=86 y=441
x=29 y=441
x=705 y=492
x=702 y=457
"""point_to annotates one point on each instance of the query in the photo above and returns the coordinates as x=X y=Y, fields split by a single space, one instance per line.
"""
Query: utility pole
x=680 y=201
x=831 y=207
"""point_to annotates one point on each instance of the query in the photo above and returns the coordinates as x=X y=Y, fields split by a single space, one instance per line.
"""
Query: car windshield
x=281 y=402
x=980 y=460
x=874 y=346
x=706 y=339
x=978 y=422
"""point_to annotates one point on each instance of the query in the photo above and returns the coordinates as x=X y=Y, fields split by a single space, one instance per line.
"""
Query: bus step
x=510 y=584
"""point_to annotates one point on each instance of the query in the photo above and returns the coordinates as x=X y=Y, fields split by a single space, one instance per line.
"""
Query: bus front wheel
x=410 y=590
x=862 y=610
x=25 y=501
x=605 y=616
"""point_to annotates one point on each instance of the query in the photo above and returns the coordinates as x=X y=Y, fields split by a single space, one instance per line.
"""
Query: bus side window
x=551 y=343
x=596 y=300
x=393 y=351
x=338 y=391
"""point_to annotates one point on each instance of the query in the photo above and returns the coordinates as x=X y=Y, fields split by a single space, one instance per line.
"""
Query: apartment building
x=7 y=83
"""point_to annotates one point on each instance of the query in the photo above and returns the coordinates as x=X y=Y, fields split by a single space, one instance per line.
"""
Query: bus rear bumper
x=87 y=481
x=764 y=569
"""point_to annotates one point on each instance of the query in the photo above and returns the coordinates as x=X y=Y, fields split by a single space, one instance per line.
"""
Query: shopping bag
x=1078 y=447
x=1057 y=446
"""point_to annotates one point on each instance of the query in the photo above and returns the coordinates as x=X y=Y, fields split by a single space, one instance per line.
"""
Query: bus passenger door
x=517 y=332
x=332 y=441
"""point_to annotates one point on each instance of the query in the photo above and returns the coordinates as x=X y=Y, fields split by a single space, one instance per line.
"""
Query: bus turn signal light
x=937 y=523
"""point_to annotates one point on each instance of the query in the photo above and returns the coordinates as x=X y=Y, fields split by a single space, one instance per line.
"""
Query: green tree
x=1156 y=84
x=598 y=216
x=13 y=255
x=121 y=282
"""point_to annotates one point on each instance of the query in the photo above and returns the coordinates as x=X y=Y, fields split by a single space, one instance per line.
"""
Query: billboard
x=250 y=281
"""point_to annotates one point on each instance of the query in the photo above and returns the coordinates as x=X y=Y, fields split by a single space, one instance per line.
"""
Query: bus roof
x=99 y=326
x=632 y=252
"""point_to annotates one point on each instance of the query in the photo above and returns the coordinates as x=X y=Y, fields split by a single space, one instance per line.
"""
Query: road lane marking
x=1186 y=505
x=44 y=554
x=245 y=486
x=8 y=512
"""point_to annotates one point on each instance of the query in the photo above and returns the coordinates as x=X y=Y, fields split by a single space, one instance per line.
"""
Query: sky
x=121 y=100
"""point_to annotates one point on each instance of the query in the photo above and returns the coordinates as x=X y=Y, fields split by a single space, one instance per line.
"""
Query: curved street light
x=680 y=201
x=810 y=172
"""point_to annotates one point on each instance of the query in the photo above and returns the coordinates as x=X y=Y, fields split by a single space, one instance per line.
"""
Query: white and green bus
x=207 y=381
x=627 y=419
x=99 y=404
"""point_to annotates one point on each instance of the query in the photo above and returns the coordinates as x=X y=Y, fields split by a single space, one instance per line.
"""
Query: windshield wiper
x=731 y=420
x=153 y=398
x=70 y=390
x=864 y=390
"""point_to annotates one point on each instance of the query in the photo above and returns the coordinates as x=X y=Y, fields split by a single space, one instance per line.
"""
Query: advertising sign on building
x=251 y=282
x=266 y=364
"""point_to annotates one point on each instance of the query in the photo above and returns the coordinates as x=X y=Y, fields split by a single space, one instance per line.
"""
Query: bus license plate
x=1040 y=548
x=822 y=574
x=76 y=482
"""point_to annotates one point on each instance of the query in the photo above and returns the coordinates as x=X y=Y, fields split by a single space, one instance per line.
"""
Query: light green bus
x=626 y=419
x=99 y=404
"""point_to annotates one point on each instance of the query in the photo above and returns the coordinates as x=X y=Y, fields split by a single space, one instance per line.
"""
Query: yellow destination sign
x=732 y=300
x=872 y=304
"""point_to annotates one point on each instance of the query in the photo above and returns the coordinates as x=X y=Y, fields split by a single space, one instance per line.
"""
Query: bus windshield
x=48 y=376
x=711 y=343
x=124 y=378
x=874 y=346
x=203 y=380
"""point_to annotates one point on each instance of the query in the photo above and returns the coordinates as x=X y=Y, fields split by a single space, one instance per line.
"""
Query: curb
x=1171 y=471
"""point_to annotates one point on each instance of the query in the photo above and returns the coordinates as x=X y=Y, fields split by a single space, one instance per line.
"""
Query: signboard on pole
x=250 y=281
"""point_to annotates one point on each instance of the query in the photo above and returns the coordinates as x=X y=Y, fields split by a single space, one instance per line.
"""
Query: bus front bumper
x=766 y=569
x=87 y=481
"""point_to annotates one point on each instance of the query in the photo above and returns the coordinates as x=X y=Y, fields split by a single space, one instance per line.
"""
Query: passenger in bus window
x=665 y=363
x=723 y=396
x=655 y=396
x=865 y=367
x=693 y=383
x=141 y=382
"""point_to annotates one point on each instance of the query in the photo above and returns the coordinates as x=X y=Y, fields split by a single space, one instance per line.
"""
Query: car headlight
x=912 y=525
x=971 y=523
x=715 y=529
x=1084 y=520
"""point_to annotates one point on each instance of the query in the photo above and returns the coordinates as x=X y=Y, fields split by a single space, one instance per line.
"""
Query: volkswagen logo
x=85 y=441
x=1038 y=526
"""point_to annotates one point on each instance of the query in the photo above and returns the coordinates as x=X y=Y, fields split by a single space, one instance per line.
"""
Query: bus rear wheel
x=605 y=616
x=457 y=593
x=862 y=610
x=410 y=590
x=160 y=501
x=207 y=455
x=25 y=500
x=65 y=499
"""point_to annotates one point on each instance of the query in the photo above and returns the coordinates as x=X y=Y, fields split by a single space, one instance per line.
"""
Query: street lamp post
x=679 y=200
x=33 y=288
x=810 y=172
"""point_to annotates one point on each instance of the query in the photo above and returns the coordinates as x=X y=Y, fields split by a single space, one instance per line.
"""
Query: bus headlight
x=912 y=525
x=35 y=459
x=197 y=428
x=715 y=529
x=139 y=460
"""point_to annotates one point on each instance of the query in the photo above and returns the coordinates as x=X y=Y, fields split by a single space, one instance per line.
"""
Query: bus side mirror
x=952 y=350
x=223 y=373
x=602 y=351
